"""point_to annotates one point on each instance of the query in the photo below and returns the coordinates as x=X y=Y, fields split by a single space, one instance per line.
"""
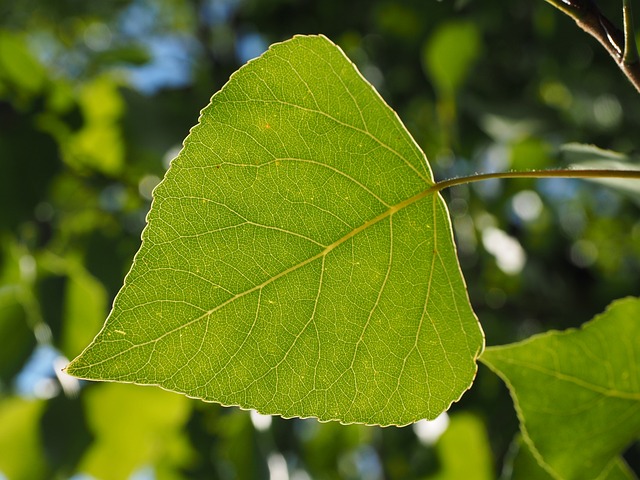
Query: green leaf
x=521 y=464
x=577 y=393
x=85 y=301
x=18 y=66
x=529 y=153
x=17 y=310
x=589 y=156
x=238 y=447
x=466 y=433
x=524 y=466
x=450 y=54
x=134 y=428
x=296 y=260
x=618 y=470
x=326 y=446
x=13 y=325
x=98 y=145
x=22 y=454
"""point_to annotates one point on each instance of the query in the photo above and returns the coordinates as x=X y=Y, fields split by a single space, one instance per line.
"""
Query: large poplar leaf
x=577 y=392
x=296 y=260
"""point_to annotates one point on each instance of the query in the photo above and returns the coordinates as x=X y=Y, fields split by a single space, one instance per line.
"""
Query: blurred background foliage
x=95 y=100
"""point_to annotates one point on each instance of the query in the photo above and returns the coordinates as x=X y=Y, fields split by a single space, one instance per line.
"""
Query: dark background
x=95 y=100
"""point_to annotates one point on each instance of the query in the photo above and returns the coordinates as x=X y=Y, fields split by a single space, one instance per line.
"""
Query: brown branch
x=630 y=47
x=589 y=17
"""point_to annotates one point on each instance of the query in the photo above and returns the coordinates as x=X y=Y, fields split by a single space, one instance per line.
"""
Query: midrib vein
x=386 y=214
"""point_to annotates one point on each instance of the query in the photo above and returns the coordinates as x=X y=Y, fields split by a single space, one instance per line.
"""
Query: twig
x=630 y=47
x=559 y=173
x=621 y=46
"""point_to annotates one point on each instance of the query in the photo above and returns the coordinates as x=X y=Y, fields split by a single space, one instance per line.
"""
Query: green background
x=88 y=126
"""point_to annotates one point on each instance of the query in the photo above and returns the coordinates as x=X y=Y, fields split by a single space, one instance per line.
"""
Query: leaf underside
x=295 y=260
x=577 y=393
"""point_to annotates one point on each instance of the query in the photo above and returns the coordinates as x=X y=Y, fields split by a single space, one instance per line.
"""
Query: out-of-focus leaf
x=18 y=67
x=618 y=470
x=84 y=304
x=134 y=428
x=508 y=126
x=80 y=210
x=64 y=433
x=237 y=452
x=16 y=338
x=580 y=152
x=325 y=443
x=29 y=163
x=577 y=393
x=296 y=260
x=591 y=157
x=398 y=19
x=530 y=154
x=464 y=450
x=21 y=455
x=127 y=54
x=84 y=308
x=60 y=97
x=98 y=144
x=450 y=53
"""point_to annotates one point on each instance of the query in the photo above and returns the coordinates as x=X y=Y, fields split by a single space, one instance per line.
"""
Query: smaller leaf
x=577 y=393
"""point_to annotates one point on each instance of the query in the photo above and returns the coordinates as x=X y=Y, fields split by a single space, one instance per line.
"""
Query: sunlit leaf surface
x=577 y=393
x=296 y=260
x=524 y=466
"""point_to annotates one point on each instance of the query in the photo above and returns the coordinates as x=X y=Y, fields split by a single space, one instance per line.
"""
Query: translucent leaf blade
x=584 y=383
x=295 y=260
x=524 y=466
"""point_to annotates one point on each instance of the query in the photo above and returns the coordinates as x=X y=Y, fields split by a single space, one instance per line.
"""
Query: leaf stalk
x=556 y=173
